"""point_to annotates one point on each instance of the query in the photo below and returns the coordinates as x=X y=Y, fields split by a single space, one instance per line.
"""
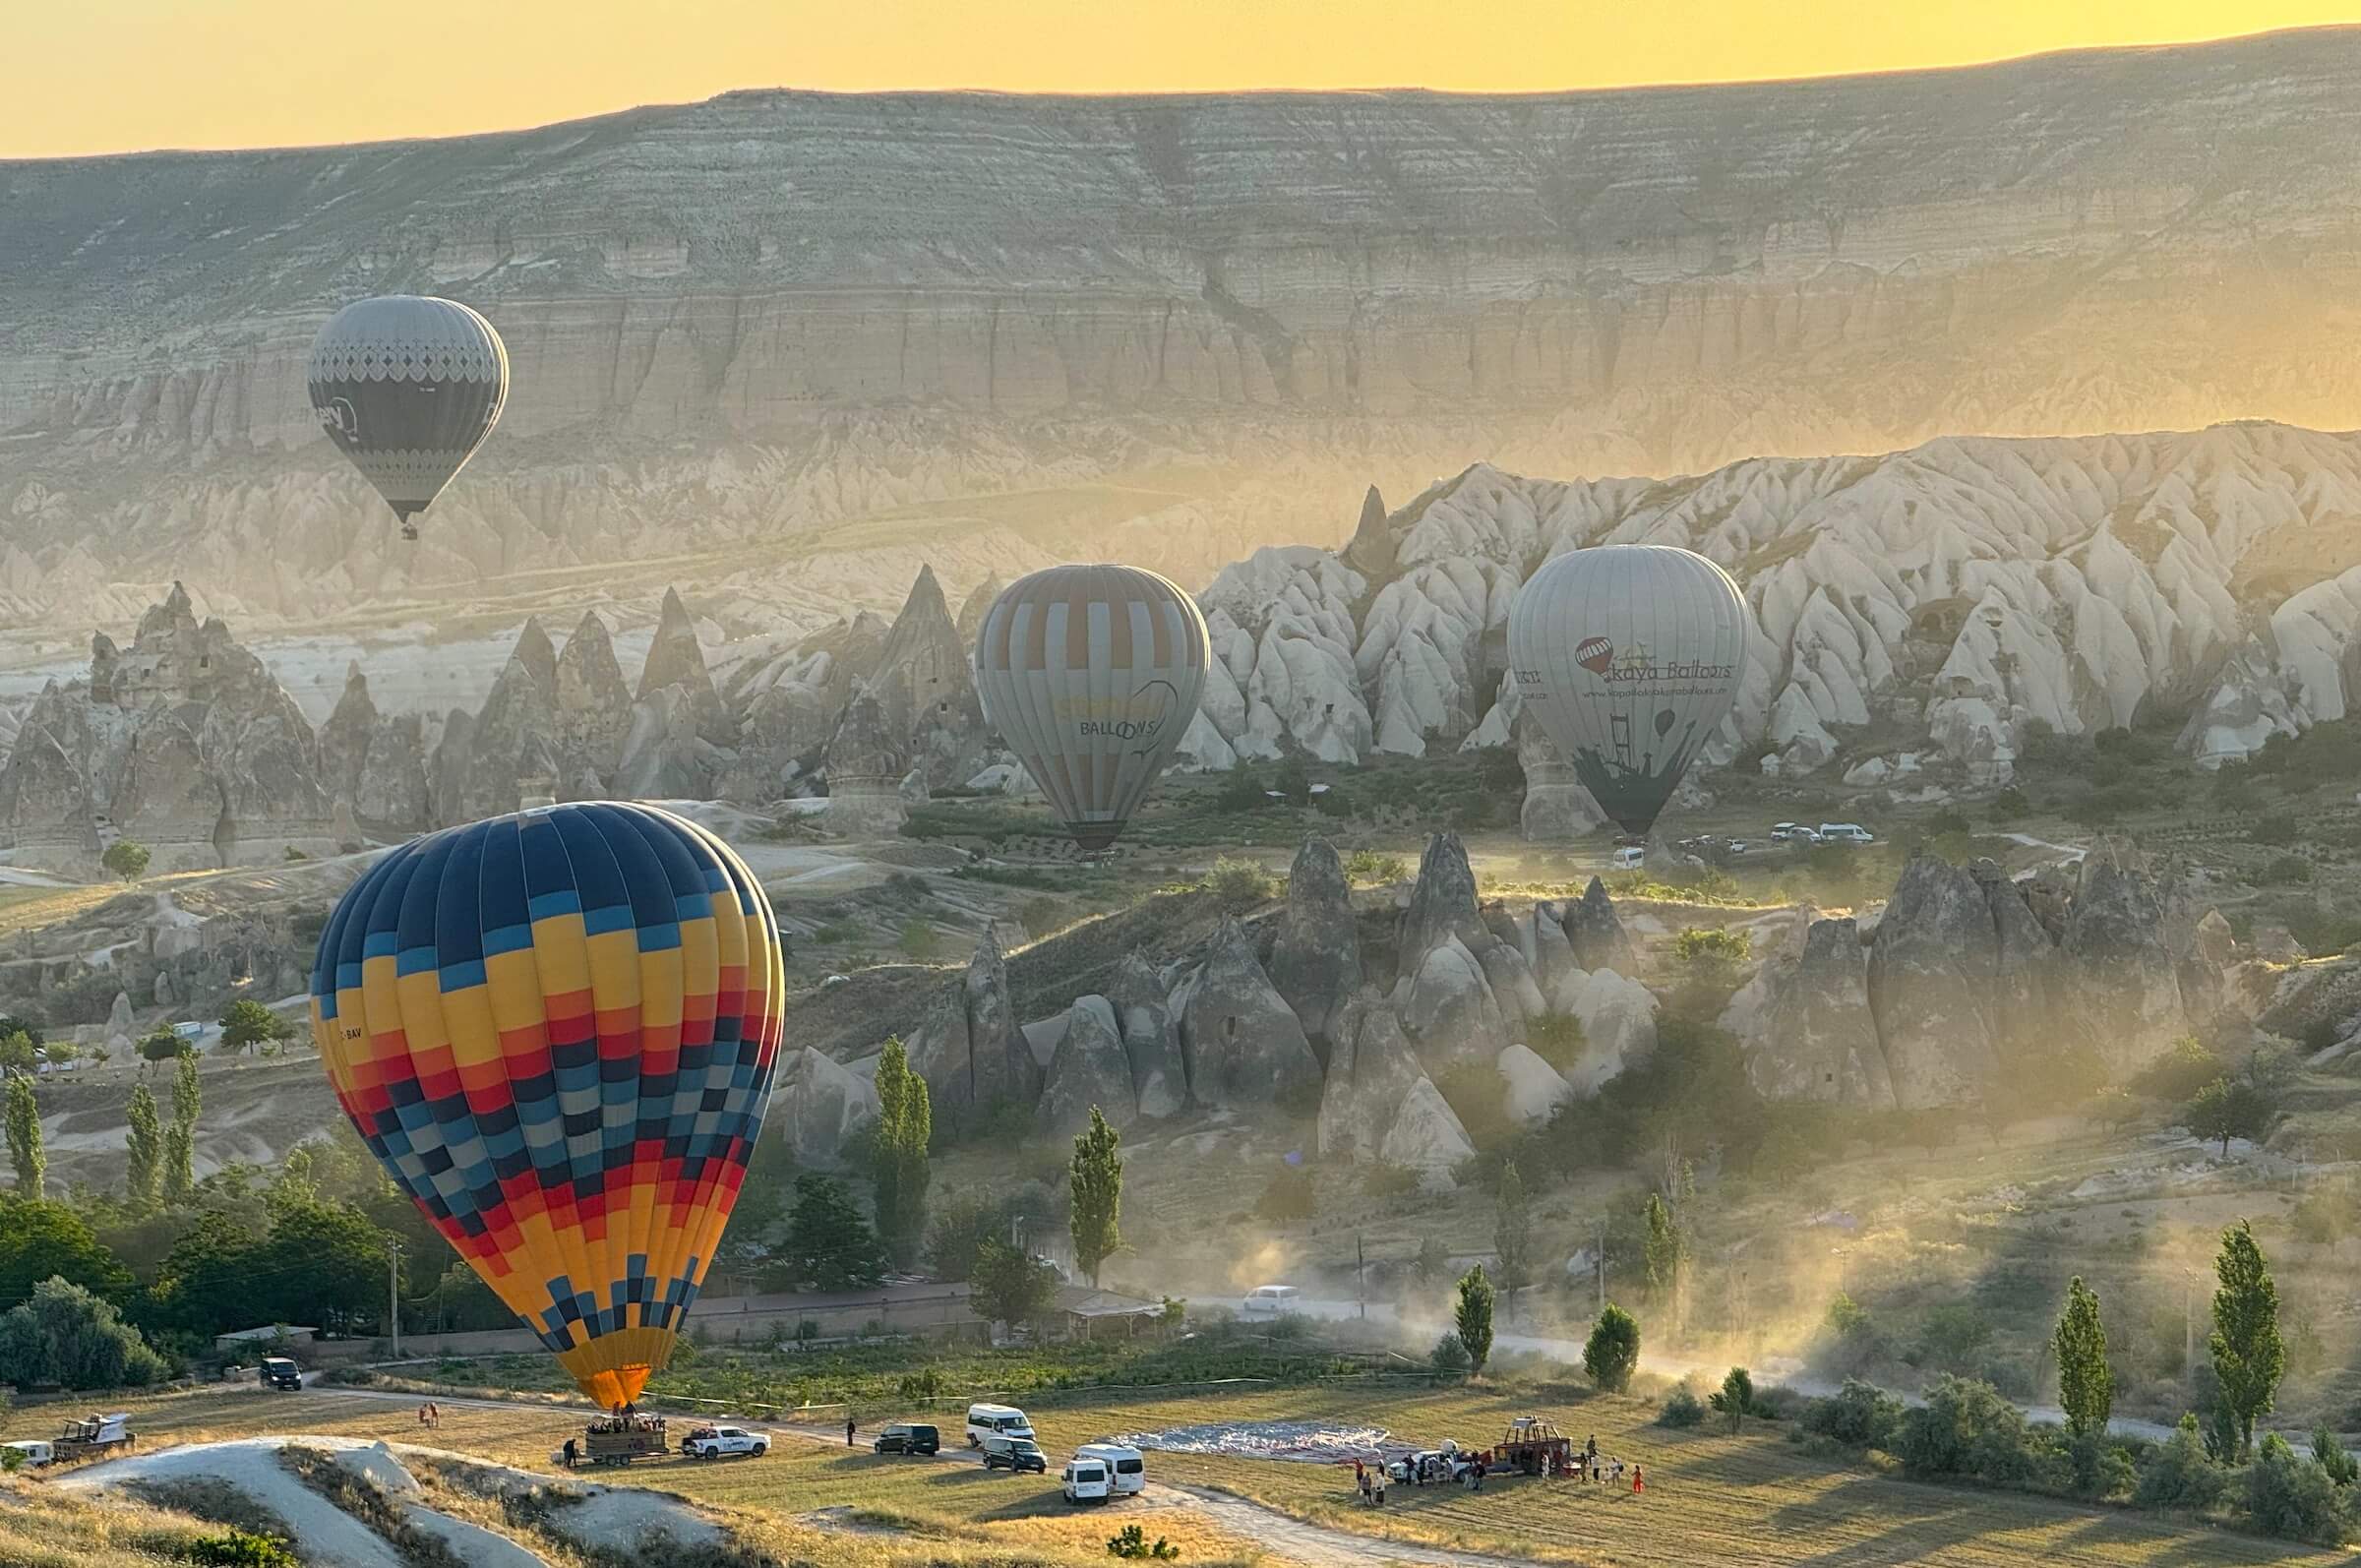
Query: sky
x=103 y=75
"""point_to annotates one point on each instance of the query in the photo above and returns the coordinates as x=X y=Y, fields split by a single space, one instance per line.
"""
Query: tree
x=17 y=1052
x=1095 y=1180
x=180 y=1139
x=906 y=1127
x=247 y=1023
x=958 y=1231
x=2227 y=1108
x=1512 y=1234
x=1667 y=1249
x=127 y=858
x=63 y=1334
x=1474 y=1315
x=145 y=1147
x=1612 y=1353
x=2327 y=1451
x=160 y=1044
x=1008 y=1287
x=24 y=1119
x=323 y=1263
x=1735 y=1398
x=2248 y=1354
x=2085 y=1385
x=41 y=1239
x=829 y=1247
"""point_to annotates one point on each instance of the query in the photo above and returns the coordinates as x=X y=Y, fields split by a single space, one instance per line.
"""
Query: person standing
x=571 y=1451
x=848 y=1431
x=1639 y=1480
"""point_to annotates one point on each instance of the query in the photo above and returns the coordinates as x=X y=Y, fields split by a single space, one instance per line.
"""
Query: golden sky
x=93 y=76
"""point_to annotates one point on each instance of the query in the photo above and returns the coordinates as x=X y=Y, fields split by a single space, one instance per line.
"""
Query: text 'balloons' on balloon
x=1092 y=675
x=408 y=387
x=557 y=1030
x=1630 y=656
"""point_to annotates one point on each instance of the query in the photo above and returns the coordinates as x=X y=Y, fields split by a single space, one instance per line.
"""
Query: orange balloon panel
x=557 y=1031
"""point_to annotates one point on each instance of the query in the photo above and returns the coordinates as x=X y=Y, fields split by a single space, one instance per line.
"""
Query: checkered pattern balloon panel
x=557 y=1031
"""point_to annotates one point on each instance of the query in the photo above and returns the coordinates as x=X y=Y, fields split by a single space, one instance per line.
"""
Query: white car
x=1270 y=1300
x=1084 y=1480
x=1792 y=833
x=717 y=1442
x=1846 y=833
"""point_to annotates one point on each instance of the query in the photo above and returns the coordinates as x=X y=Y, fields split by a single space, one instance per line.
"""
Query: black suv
x=1014 y=1454
x=904 y=1438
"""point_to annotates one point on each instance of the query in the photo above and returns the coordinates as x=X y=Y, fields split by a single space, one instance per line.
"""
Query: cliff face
x=774 y=312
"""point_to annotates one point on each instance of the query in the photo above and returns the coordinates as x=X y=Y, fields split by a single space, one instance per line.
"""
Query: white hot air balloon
x=1630 y=656
x=408 y=388
x=1092 y=675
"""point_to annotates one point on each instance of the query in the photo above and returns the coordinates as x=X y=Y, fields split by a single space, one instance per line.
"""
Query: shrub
x=1132 y=1541
x=126 y=859
x=1391 y=1181
x=1450 y=1356
x=2290 y=1497
x=918 y=941
x=1734 y=1399
x=2277 y=828
x=2179 y=1473
x=2010 y=803
x=1613 y=1351
x=1859 y=1414
x=1556 y=1038
x=1373 y=868
x=1683 y=1409
x=1289 y=1196
x=2181 y=1071
x=1241 y=884
x=1966 y=1428
x=238 y=1548
x=2287 y=870
x=2327 y=1452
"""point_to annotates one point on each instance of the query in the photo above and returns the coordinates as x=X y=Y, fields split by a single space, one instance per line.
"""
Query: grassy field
x=1754 y=1498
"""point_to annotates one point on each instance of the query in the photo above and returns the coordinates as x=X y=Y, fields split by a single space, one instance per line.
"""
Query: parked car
x=1792 y=833
x=1126 y=1466
x=278 y=1371
x=1270 y=1300
x=721 y=1443
x=908 y=1437
x=1084 y=1480
x=1630 y=858
x=996 y=1420
x=1015 y=1455
x=31 y=1453
x=1846 y=833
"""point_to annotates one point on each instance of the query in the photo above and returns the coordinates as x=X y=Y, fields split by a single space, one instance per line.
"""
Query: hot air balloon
x=556 y=1030
x=1630 y=655
x=1092 y=675
x=408 y=388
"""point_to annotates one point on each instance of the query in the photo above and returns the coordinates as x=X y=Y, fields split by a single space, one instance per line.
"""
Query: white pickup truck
x=715 y=1442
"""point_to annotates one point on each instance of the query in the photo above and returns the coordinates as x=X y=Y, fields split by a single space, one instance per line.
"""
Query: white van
x=1846 y=833
x=1085 y=1481
x=996 y=1420
x=31 y=1453
x=1126 y=1466
x=1269 y=1301
x=1630 y=858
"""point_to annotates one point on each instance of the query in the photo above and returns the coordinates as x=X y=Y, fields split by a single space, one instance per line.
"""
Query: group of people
x=1581 y=1464
x=1588 y=1466
x=430 y=1414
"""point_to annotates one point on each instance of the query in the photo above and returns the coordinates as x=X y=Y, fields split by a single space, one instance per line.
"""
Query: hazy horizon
x=132 y=75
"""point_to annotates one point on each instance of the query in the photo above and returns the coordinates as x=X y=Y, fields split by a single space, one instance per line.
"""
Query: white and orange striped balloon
x=1092 y=675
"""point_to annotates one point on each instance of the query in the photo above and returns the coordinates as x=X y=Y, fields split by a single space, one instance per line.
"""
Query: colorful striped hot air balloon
x=557 y=1030
x=1092 y=675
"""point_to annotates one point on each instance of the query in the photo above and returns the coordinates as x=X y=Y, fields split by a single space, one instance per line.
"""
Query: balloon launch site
x=1265 y=819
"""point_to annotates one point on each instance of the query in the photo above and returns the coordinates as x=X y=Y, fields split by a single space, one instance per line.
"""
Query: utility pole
x=2189 y=1333
x=1603 y=1267
x=1361 y=1263
x=393 y=1294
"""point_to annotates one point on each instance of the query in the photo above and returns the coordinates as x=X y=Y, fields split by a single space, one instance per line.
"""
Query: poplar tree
x=1094 y=1182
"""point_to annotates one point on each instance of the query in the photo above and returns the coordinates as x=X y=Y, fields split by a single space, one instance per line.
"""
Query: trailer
x=95 y=1434
x=621 y=1440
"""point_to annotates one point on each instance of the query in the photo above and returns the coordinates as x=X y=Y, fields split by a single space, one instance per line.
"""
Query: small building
x=258 y=1337
x=1084 y=1314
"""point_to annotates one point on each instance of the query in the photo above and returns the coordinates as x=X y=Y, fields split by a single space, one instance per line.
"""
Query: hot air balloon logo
x=1595 y=654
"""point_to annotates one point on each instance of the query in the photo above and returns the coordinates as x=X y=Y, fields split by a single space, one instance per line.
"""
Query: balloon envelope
x=557 y=1030
x=408 y=387
x=1630 y=656
x=1092 y=674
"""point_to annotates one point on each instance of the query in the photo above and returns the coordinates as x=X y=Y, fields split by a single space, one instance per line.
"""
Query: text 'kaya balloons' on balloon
x=1630 y=656
x=408 y=387
x=557 y=1031
x=1092 y=675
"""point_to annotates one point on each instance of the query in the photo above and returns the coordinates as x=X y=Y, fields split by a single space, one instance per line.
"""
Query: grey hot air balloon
x=1092 y=675
x=408 y=388
x=1630 y=656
